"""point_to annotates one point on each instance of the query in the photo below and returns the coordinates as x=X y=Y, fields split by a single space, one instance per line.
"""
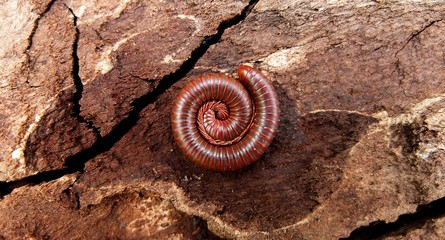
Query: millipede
x=223 y=124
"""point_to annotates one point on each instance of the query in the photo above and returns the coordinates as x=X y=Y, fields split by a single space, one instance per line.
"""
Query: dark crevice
x=203 y=231
x=78 y=82
x=421 y=30
x=33 y=32
x=398 y=68
x=7 y=187
x=70 y=197
x=404 y=223
x=36 y=24
x=415 y=34
x=76 y=162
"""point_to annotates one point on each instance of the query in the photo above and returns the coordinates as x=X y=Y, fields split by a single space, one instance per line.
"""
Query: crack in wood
x=76 y=162
x=78 y=81
x=404 y=223
x=398 y=68
x=415 y=34
x=33 y=32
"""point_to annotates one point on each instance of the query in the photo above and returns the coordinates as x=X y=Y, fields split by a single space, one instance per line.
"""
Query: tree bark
x=87 y=148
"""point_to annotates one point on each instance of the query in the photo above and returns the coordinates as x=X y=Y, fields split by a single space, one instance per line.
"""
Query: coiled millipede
x=224 y=124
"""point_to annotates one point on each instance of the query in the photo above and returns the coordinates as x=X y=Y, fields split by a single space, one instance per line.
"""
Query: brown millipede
x=224 y=124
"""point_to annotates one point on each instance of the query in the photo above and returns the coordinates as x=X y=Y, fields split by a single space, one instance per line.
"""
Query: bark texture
x=87 y=150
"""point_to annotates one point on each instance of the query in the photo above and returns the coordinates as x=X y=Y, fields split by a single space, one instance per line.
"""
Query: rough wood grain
x=87 y=87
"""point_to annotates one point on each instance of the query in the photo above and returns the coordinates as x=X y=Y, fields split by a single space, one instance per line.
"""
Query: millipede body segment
x=224 y=124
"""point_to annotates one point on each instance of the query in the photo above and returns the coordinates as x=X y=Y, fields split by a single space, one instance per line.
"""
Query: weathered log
x=86 y=95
